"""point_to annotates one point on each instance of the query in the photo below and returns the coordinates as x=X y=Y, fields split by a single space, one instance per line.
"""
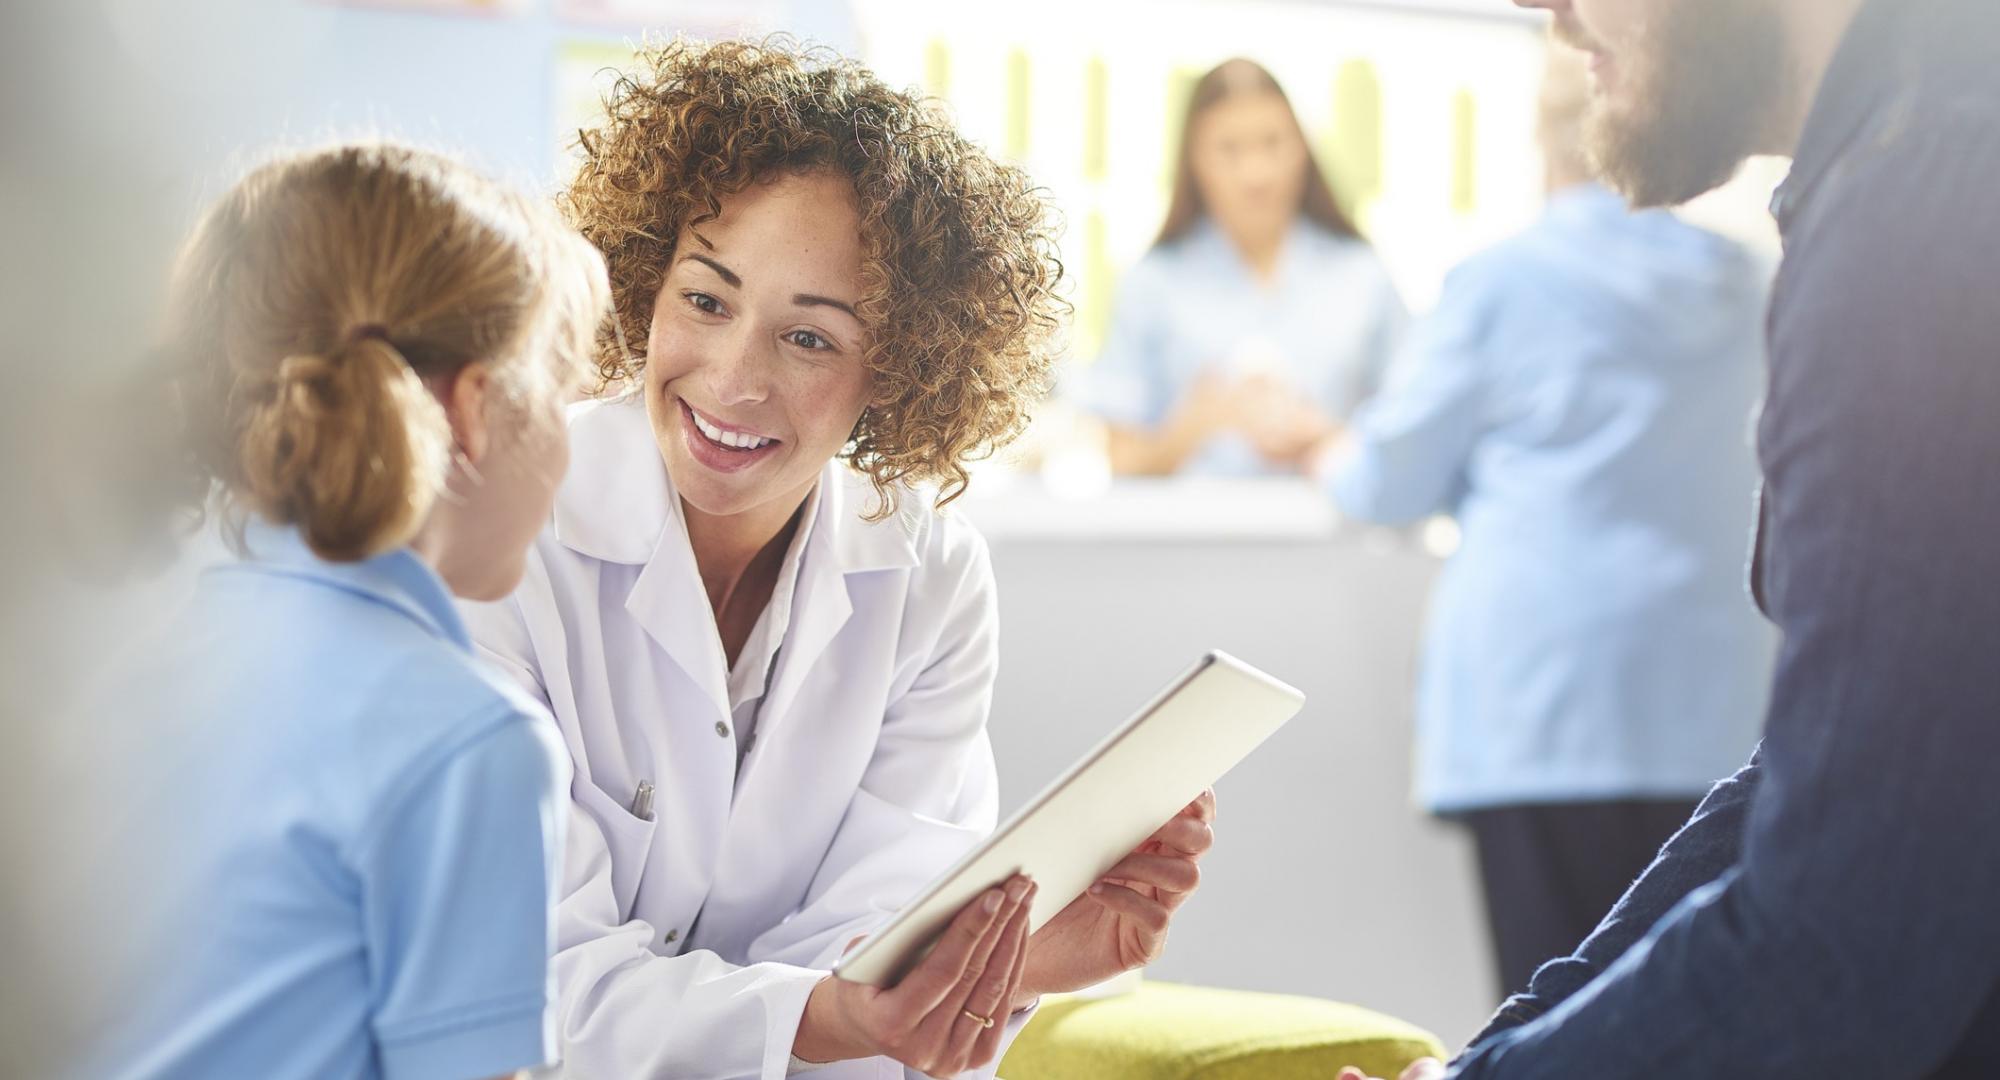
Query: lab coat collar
x=615 y=500
x=823 y=600
x=618 y=505
x=397 y=579
x=860 y=546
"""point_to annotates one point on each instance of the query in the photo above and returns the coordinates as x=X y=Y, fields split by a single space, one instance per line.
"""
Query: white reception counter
x=1326 y=880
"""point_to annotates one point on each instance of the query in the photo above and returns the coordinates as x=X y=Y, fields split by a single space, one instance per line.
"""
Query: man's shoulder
x=1909 y=182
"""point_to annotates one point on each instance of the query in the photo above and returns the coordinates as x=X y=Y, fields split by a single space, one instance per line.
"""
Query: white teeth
x=736 y=439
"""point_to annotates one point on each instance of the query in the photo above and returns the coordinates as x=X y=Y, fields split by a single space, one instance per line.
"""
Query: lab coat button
x=722 y=729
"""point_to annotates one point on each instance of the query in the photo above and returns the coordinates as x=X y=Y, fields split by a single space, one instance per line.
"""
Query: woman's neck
x=738 y=557
x=1260 y=249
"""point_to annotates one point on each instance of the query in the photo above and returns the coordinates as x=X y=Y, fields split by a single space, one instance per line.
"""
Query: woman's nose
x=741 y=375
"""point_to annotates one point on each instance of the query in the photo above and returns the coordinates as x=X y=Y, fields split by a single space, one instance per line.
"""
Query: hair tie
x=369 y=330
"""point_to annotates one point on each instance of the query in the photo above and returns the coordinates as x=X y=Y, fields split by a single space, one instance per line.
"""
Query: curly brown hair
x=959 y=273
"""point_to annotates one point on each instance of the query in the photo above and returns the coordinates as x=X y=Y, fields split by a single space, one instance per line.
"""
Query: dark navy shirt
x=1834 y=909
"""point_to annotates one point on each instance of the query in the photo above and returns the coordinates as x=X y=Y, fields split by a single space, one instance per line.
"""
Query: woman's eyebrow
x=801 y=299
x=721 y=271
x=809 y=300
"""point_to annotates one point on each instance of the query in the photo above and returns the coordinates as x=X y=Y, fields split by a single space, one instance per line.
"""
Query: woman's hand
x=947 y=1015
x=1281 y=423
x=1420 y=1069
x=1121 y=923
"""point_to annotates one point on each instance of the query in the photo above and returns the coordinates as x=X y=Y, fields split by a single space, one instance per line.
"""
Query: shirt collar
x=1585 y=202
x=398 y=579
x=1879 y=70
x=618 y=501
x=1305 y=242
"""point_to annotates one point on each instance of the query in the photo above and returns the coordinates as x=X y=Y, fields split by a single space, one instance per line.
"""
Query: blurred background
x=125 y=116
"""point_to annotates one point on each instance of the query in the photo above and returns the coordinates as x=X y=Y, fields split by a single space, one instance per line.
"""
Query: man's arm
x=1866 y=884
x=1699 y=853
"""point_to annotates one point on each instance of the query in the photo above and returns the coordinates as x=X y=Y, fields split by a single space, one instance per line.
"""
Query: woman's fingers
x=1203 y=807
x=1020 y=973
x=968 y=940
x=1187 y=835
x=985 y=1010
x=1192 y=831
x=1151 y=915
x=1168 y=873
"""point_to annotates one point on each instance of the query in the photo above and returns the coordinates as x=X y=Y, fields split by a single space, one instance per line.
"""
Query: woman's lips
x=715 y=455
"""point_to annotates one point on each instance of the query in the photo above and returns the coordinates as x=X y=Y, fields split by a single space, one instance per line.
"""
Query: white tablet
x=1108 y=803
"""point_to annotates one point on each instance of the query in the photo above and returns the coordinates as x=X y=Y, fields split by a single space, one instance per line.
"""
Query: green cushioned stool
x=1168 y=1032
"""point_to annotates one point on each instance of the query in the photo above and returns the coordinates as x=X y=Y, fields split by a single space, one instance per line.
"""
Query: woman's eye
x=705 y=303
x=806 y=339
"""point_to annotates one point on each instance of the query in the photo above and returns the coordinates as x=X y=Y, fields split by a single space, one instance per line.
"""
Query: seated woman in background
x=351 y=829
x=770 y=655
x=1259 y=318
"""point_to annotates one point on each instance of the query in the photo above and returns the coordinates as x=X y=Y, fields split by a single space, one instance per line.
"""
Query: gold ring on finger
x=982 y=1021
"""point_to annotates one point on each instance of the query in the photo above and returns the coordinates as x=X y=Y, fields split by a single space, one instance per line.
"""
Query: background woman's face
x=754 y=372
x=1249 y=163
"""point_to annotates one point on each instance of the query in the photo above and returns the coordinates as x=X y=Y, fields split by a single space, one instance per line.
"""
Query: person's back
x=1608 y=500
x=1616 y=427
x=335 y=852
x=1581 y=402
x=318 y=727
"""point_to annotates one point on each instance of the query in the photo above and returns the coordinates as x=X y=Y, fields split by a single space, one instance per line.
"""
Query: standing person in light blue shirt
x=1580 y=400
x=1259 y=318
x=341 y=860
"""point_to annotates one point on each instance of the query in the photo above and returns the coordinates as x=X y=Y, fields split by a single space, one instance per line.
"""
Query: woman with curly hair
x=769 y=652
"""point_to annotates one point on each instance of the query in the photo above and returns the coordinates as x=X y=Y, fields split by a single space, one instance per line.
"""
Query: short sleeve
x=1128 y=383
x=458 y=879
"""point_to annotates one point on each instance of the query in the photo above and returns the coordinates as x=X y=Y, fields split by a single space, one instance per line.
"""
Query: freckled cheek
x=823 y=403
x=671 y=353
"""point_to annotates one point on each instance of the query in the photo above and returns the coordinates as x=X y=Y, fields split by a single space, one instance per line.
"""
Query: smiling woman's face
x=754 y=373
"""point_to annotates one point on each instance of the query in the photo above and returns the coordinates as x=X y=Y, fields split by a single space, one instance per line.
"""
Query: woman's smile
x=720 y=446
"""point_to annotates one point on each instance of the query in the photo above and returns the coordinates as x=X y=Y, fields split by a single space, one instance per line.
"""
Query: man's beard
x=1708 y=81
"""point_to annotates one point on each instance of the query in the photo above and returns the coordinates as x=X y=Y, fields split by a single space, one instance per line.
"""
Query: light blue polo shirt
x=1580 y=400
x=1327 y=323
x=357 y=833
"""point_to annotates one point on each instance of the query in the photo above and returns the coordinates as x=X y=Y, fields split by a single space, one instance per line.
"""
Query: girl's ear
x=465 y=400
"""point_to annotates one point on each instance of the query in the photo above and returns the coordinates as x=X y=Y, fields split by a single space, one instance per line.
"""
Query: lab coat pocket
x=628 y=841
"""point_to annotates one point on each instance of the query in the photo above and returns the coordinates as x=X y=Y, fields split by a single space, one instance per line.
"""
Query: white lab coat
x=869 y=774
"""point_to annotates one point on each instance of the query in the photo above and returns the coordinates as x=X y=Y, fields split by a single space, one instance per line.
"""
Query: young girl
x=769 y=654
x=357 y=826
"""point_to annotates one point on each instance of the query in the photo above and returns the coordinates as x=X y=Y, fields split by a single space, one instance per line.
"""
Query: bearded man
x=1833 y=910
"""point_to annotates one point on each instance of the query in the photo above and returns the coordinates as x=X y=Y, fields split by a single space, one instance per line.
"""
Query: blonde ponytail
x=323 y=300
x=350 y=446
